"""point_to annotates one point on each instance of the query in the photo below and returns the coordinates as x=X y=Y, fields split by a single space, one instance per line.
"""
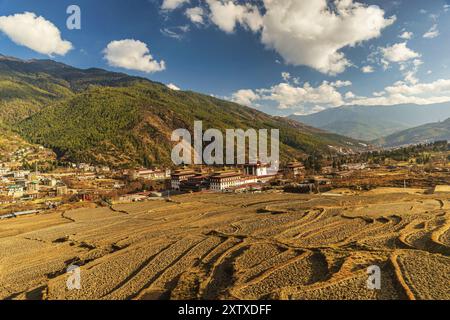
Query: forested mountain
x=111 y=118
x=431 y=132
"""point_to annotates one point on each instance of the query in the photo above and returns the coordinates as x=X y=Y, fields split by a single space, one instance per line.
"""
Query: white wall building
x=257 y=169
x=224 y=180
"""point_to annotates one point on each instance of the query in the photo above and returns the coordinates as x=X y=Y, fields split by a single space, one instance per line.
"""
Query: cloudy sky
x=279 y=56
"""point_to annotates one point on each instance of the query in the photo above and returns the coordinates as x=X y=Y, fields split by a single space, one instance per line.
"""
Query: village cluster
x=85 y=182
x=25 y=191
x=29 y=184
x=30 y=191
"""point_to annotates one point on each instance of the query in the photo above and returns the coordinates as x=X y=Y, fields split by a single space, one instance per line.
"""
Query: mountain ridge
x=431 y=132
x=373 y=122
x=93 y=115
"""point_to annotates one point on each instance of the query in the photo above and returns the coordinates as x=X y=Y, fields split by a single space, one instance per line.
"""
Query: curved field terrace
x=227 y=246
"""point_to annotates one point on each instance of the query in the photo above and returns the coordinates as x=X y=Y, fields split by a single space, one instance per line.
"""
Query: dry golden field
x=226 y=246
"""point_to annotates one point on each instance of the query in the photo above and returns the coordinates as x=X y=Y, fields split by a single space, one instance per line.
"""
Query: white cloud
x=173 y=87
x=402 y=93
x=349 y=95
x=133 y=55
x=226 y=14
x=399 y=52
x=367 y=69
x=195 y=15
x=285 y=95
x=406 y=35
x=437 y=87
x=303 y=32
x=288 y=96
x=340 y=83
x=417 y=62
x=398 y=99
x=410 y=69
x=433 y=16
x=307 y=99
x=245 y=97
x=410 y=77
x=172 y=4
x=432 y=33
x=286 y=76
x=316 y=109
x=175 y=32
x=309 y=33
x=37 y=33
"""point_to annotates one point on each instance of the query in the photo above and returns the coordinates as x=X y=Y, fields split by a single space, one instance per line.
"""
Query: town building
x=223 y=180
x=21 y=182
x=15 y=191
x=33 y=186
x=256 y=169
x=87 y=176
x=61 y=190
x=199 y=182
x=294 y=169
x=149 y=174
x=33 y=176
x=21 y=174
x=191 y=181
x=180 y=176
x=49 y=182
x=86 y=167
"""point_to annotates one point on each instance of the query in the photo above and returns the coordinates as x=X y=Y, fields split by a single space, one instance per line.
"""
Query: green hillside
x=431 y=132
x=109 y=118
x=28 y=86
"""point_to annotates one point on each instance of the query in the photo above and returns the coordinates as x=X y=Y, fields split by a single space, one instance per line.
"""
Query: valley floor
x=227 y=246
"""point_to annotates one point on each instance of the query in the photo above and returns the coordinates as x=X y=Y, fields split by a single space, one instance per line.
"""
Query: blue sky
x=254 y=60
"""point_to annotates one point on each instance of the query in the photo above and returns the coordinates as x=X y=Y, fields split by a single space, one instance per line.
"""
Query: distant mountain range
x=111 y=118
x=423 y=134
x=373 y=122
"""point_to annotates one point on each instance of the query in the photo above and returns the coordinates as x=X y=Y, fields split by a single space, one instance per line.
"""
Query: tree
x=313 y=163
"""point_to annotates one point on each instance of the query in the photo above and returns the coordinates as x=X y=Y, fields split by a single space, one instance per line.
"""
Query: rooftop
x=226 y=174
x=183 y=173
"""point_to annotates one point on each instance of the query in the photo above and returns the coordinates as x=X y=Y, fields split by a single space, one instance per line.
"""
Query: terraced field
x=223 y=246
